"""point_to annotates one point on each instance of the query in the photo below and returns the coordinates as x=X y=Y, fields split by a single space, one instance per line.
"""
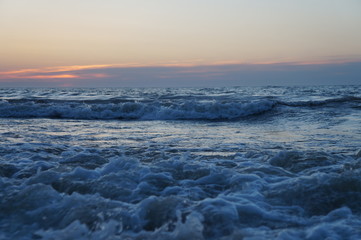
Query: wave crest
x=186 y=110
x=159 y=109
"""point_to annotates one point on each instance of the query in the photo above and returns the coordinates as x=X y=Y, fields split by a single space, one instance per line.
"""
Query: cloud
x=187 y=74
x=61 y=76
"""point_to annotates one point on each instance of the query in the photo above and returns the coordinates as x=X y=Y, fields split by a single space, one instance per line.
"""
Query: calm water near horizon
x=181 y=163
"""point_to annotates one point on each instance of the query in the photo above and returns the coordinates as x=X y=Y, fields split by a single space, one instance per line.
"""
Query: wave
x=316 y=103
x=132 y=110
x=161 y=109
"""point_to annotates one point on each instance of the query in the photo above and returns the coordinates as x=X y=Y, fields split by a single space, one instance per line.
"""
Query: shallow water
x=216 y=163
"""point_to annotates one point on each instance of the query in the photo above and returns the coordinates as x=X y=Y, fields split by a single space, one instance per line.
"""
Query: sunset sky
x=105 y=43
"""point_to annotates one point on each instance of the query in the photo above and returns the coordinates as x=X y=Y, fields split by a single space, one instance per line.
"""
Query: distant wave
x=340 y=100
x=150 y=110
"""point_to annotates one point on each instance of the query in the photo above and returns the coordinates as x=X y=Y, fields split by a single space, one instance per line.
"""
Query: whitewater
x=181 y=163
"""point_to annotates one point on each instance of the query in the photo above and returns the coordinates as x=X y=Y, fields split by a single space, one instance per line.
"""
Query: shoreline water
x=217 y=163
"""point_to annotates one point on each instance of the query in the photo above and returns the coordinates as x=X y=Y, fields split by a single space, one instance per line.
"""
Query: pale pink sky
x=42 y=39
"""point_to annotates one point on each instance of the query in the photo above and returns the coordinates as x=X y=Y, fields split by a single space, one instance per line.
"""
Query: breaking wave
x=132 y=110
x=180 y=109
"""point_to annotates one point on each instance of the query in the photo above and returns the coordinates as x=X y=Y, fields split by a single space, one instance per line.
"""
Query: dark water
x=215 y=163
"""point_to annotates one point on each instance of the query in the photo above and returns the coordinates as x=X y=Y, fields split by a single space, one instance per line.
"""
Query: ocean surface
x=181 y=163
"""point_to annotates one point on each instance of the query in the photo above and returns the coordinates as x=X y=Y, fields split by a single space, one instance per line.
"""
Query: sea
x=273 y=162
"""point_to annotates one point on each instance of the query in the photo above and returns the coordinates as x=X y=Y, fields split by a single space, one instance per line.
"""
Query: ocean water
x=186 y=163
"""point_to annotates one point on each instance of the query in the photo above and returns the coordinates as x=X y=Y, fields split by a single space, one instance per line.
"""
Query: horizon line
x=55 y=72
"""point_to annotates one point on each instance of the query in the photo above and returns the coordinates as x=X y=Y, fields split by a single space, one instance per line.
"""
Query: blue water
x=187 y=163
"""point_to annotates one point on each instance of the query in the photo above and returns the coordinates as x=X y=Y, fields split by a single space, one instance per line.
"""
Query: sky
x=145 y=43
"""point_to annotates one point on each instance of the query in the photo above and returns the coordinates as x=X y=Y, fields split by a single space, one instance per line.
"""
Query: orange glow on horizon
x=36 y=73
x=51 y=76
x=56 y=76
x=56 y=69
